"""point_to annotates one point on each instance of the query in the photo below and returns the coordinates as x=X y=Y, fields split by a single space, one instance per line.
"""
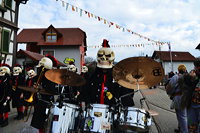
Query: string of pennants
x=127 y=45
x=105 y=21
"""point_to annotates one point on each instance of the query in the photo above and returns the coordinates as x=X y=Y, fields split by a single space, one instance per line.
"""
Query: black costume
x=29 y=82
x=42 y=102
x=18 y=102
x=5 y=91
x=94 y=89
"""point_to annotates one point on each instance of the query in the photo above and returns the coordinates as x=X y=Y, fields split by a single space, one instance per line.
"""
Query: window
x=1 y=2
x=8 y=4
x=5 y=40
x=2 y=7
x=51 y=36
x=48 y=52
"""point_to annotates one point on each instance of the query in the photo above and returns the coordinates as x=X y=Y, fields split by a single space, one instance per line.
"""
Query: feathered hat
x=54 y=60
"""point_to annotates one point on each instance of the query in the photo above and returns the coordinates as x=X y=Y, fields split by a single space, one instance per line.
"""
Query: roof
x=176 y=56
x=34 y=56
x=198 y=47
x=70 y=36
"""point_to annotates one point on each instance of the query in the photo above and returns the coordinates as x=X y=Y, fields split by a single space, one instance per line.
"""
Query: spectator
x=175 y=92
x=194 y=109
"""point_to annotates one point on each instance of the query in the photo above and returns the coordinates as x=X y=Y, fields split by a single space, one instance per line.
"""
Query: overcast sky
x=174 y=21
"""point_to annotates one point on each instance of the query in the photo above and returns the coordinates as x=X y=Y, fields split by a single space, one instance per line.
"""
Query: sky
x=174 y=21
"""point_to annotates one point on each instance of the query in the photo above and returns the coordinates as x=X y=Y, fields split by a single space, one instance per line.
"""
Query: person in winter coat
x=194 y=108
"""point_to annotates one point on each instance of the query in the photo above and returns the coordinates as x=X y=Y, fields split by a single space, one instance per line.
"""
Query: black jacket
x=5 y=91
x=94 y=86
x=18 y=80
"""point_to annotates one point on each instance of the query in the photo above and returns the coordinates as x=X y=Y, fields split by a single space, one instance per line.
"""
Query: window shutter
x=8 y=4
x=5 y=40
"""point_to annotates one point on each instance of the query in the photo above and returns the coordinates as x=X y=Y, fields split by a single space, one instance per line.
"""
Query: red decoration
x=54 y=60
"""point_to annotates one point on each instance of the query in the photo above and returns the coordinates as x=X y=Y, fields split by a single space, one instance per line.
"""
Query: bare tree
x=91 y=63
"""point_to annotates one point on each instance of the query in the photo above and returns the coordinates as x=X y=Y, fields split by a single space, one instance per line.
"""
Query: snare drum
x=97 y=118
x=64 y=118
x=134 y=119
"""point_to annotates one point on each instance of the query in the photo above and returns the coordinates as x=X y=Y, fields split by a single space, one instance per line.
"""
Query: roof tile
x=176 y=56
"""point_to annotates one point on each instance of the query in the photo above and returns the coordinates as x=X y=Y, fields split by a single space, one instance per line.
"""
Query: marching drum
x=97 y=118
x=64 y=118
x=134 y=119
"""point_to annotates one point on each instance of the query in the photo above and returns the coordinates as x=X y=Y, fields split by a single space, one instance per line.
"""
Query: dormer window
x=51 y=36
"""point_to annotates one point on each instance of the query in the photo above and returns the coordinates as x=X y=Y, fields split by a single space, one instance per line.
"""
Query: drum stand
x=120 y=106
x=61 y=97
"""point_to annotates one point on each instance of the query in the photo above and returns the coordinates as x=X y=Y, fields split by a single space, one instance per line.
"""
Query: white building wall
x=62 y=52
x=167 y=66
x=9 y=60
x=9 y=15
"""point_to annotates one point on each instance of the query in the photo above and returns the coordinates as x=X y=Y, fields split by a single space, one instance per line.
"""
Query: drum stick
x=5 y=103
x=62 y=89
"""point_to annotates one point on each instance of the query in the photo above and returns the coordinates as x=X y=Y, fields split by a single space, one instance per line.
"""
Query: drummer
x=70 y=94
x=102 y=88
x=43 y=101
x=30 y=80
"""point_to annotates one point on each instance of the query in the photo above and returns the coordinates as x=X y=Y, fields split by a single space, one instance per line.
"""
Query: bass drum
x=97 y=119
x=64 y=119
x=134 y=119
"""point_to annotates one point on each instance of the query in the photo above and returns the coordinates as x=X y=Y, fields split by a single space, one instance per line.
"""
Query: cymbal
x=32 y=89
x=138 y=72
x=64 y=77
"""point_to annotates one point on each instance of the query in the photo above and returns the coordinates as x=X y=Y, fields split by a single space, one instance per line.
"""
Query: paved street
x=156 y=100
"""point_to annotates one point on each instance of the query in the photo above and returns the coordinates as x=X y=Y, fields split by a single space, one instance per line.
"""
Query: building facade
x=171 y=61
x=65 y=44
x=8 y=29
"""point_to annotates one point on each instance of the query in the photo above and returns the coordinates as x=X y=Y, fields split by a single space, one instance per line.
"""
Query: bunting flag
x=105 y=21
x=120 y=45
x=73 y=9
x=81 y=11
x=67 y=5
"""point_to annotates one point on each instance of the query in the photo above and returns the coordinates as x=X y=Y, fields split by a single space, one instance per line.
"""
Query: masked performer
x=5 y=93
x=101 y=87
x=85 y=75
x=72 y=92
x=42 y=100
x=31 y=79
x=17 y=94
x=84 y=72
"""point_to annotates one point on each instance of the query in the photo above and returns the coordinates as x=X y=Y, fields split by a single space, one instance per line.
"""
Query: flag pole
x=170 y=56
